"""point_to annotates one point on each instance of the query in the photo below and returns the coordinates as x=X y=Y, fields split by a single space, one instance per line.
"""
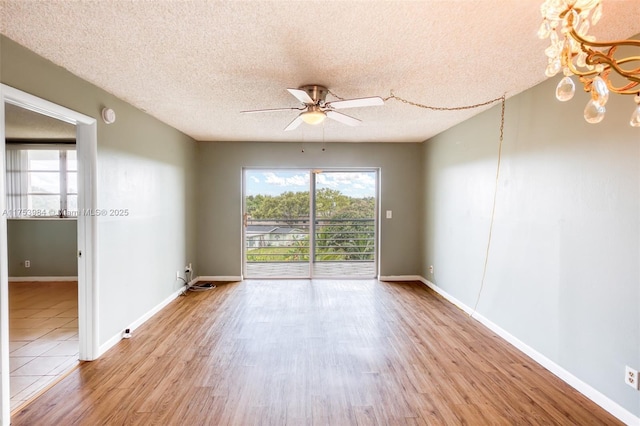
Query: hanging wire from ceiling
x=433 y=108
x=502 y=99
x=493 y=208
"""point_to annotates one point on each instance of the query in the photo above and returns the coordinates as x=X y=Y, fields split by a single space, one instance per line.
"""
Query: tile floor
x=43 y=336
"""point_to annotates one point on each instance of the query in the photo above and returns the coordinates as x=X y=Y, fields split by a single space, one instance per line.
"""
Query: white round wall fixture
x=108 y=115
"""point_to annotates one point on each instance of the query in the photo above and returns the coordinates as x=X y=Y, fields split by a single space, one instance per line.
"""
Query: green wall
x=49 y=244
x=220 y=166
x=144 y=166
x=563 y=271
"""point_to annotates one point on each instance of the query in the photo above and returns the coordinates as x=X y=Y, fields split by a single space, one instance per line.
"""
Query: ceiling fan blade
x=295 y=123
x=252 y=111
x=343 y=118
x=353 y=103
x=302 y=96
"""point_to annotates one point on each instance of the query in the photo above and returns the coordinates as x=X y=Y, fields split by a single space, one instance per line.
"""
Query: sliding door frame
x=313 y=172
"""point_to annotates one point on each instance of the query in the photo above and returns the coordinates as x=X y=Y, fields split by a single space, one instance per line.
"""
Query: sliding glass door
x=344 y=224
x=310 y=223
x=276 y=223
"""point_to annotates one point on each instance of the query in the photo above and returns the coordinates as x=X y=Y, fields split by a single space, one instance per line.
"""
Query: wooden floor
x=312 y=352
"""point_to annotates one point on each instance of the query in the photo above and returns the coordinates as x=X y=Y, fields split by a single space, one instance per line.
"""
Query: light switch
x=389 y=214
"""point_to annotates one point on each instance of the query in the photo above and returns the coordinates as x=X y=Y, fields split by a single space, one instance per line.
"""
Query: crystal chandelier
x=566 y=24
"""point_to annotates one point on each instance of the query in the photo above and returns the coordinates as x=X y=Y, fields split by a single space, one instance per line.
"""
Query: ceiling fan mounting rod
x=316 y=92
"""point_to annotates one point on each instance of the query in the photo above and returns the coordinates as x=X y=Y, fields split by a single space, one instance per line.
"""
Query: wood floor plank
x=318 y=352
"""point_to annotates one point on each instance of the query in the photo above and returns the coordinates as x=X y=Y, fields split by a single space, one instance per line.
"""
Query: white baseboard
x=447 y=296
x=594 y=395
x=220 y=278
x=41 y=279
x=137 y=323
x=400 y=278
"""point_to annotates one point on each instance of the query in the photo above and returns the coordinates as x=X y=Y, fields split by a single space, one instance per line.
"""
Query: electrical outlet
x=27 y=264
x=631 y=377
x=177 y=275
x=431 y=269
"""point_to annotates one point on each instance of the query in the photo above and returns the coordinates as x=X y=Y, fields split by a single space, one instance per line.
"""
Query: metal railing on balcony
x=286 y=242
x=345 y=240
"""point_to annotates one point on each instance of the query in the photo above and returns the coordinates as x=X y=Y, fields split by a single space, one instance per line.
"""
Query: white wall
x=563 y=271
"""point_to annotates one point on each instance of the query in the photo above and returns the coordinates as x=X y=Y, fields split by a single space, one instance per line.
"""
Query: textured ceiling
x=195 y=64
x=25 y=124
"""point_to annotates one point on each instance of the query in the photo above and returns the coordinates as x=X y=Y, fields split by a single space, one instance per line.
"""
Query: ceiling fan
x=315 y=108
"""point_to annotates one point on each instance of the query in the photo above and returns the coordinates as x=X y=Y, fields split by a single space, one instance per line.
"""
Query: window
x=41 y=181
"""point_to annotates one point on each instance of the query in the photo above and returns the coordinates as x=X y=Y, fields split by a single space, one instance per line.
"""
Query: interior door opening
x=87 y=300
x=41 y=176
x=301 y=223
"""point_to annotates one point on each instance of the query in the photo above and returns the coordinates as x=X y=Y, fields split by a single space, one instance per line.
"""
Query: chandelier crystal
x=573 y=51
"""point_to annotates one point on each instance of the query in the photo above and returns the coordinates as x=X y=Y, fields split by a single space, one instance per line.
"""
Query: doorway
x=41 y=166
x=302 y=223
x=86 y=137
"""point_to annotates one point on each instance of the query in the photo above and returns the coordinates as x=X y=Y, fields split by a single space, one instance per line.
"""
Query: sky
x=275 y=182
x=44 y=167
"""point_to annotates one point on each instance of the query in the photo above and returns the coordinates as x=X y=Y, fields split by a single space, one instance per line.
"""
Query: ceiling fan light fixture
x=315 y=109
x=314 y=116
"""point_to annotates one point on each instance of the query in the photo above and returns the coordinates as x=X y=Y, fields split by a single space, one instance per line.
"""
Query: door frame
x=313 y=171
x=86 y=147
